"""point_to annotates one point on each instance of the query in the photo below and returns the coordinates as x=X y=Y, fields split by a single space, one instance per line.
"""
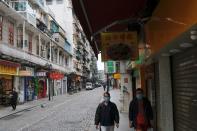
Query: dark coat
x=133 y=111
x=14 y=97
x=107 y=115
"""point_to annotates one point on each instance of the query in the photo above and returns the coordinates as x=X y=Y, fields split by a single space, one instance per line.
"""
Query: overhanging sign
x=119 y=46
x=110 y=67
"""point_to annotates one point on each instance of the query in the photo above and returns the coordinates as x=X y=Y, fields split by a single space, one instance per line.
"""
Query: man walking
x=14 y=97
x=140 y=112
x=107 y=114
x=104 y=86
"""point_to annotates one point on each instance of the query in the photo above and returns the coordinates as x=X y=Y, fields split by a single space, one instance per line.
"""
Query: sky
x=99 y=63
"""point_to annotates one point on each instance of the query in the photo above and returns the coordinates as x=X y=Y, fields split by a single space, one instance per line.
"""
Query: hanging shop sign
x=41 y=74
x=56 y=75
x=26 y=72
x=117 y=76
x=9 y=68
x=119 y=46
x=110 y=67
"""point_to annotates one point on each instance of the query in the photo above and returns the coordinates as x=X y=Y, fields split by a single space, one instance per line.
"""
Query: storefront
x=57 y=79
x=7 y=72
x=27 y=83
x=41 y=84
x=79 y=81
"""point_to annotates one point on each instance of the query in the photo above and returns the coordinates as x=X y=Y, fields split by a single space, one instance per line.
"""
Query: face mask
x=106 y=99
x=139 y=96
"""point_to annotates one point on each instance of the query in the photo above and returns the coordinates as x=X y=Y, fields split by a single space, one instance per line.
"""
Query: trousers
x=107 y=128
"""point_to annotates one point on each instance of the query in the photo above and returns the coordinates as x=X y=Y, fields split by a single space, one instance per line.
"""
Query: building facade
x=34 y=53
x=82 y=51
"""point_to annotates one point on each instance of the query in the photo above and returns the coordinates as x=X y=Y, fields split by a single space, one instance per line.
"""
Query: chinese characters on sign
x=9 y=68
x=119 y=46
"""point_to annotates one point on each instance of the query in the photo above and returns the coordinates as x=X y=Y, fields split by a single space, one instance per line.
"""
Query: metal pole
x=107 y=82
x=49 y=89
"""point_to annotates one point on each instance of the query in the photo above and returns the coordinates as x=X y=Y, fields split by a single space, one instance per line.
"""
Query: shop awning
x=97 y=16
x=9 y=63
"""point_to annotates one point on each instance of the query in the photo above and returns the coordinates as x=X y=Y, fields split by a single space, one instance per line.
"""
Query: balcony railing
x=68 y=48
x=41 y=4
x=6 y=1
x=24 y=9
x=59 y=39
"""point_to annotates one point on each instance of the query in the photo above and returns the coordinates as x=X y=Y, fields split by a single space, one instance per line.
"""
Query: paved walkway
x=6 y=111
x=124 y=122
x=115 y=97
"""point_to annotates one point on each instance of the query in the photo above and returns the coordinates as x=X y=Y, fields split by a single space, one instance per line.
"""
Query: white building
x=101 y=75
x=32 y=54
x=62 y=10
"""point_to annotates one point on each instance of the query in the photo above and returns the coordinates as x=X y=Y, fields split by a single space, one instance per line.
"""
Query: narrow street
x=75 y=113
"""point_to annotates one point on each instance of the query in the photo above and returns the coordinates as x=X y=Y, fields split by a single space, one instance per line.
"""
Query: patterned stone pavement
x=73 y=113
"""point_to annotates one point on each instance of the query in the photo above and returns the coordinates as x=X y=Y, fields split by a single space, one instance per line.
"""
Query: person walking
x=104 y=86
x=140 y=112
x=14 y=98
x=107 y=114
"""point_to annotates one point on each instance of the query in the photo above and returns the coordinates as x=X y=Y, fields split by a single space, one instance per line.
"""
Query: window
x=49 y=2
x=55 y=56
x=19 y=38
x=11 y=33
x=48 y=51
x=20 y=6
x=54 y=27
x=1 y=27
x=43 y=49
x=37 y=46
x=66 y=61
x=30 y=42
x=59 y=1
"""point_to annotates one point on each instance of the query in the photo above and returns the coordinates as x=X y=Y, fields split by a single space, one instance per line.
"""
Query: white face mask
x=106 y=99
x=139 y=96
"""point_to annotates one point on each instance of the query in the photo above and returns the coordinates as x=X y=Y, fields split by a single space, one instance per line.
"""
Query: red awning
x=95 y=15
x=9 y=63
x=56 y=75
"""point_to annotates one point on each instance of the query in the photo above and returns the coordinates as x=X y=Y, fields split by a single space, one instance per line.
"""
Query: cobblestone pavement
x=73 y=113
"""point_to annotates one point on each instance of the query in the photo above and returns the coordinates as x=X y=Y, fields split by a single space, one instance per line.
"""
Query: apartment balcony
x=41 y=23
x=79 y=46
x=78 y=56
x=80 y=52
x=80 y=43
x=59 y=39
x=24 y=9
x=68 y=47
x=41 y=4
x=20 y=54
x=78 y=67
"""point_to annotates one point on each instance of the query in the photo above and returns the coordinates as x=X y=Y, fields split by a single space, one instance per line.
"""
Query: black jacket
x=14 y=97
x=133 y=111
x=107 y=115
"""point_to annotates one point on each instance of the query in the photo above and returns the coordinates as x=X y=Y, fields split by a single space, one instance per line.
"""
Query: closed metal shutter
x=185 y=90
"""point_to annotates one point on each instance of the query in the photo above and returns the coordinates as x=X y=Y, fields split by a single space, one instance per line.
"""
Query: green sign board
x=110 y=67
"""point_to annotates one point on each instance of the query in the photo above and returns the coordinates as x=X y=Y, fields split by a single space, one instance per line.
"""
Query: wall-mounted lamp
x=193 y=34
